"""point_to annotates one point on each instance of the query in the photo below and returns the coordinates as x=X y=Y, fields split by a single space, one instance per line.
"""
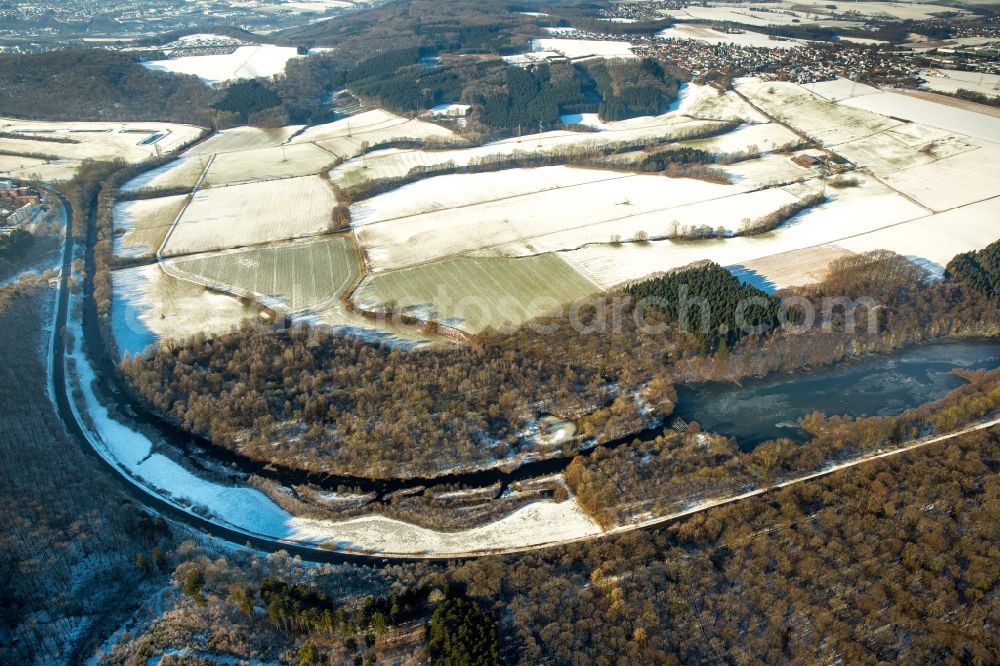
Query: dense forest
x=460 y=26
x=726 y=308
x=246 y=98
x=890 y=562
x=467 y=404
x=508 y=98
x=629 y=89
x=96 y=84
x=532 y=100
x=71 y=539
x=980 y=270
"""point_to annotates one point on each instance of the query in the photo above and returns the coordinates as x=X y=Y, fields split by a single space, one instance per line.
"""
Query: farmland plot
x=141 y=226
x=252 y=213
x=246 y=62
x=789 y=269
x=932 y=241
x=412 y=130
x=704 y=33
x=766 y=171
x=148 y=305
x=49 y=172
x=267 y=163
x=474 y=294
x=579 y=49
x=725 y=214
x=957 y=180
x=849 y=212
x=824 y=121
x=839 y=89
x=762 y=137
x=694 y=100
x=891 y=151
x=411 y=237
x=132 y=142
x=367 y=121
x=245 y=138
x=182 y=172
x=708 y=103
x=951 y=81
x=9 y=163
x=394 y=163
x=351 y=136
x=461 y=190
x=914 y=109
x=294 y=276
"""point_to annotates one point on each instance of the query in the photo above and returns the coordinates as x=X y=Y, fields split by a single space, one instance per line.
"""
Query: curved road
x=137 y=491
x=146 y=496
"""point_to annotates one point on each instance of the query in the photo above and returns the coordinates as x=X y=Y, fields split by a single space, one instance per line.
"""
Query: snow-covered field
x=789 y=269
x=182 y=172
x=762 y=137
x=285 y=161
x=581 y=49
x=707 y=103
x=246 y=62
x=958 y=180
x=50 y=172
x=294 y=276
x=766 y=171
x=148 y=305
x=579 y=212
x=132 y=142
x=395 y=163
x=520 y=212
x=703 y=33
x=903 y=147
x=743 y=14
x=932 y=241
x=142 y=225
x=374 y=126
x=839 y=88
x=17 y=163
x=252 y=213
x=398 y=232
x=245 y=138
x=924 y=111
x=443 y=193
x=850 y=212
x=827 y=122
x=951 y=81
x=698 y=110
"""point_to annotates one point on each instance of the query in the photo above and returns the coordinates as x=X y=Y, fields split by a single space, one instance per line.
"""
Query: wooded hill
x=979 y=270
x=456 y=26
x=96 y=84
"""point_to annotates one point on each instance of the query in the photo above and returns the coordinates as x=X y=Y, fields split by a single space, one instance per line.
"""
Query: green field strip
x=298 y=275
x=478 y=281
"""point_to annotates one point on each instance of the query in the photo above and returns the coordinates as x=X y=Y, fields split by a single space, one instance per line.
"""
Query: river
x=878 y=385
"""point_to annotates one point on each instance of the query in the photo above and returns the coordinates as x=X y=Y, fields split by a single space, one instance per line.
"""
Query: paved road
x=137 y=491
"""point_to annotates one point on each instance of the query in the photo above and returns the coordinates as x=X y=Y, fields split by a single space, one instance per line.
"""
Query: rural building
x=807 y=161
